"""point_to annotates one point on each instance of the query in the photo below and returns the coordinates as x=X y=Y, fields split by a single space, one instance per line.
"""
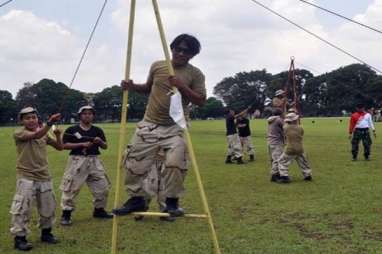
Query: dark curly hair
x=192 y=43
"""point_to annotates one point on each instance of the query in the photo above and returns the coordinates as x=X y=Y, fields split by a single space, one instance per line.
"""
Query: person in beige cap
x=34 y=184
x=84 y=166
x=275 y=140
x=280 y=101
x=293 y=150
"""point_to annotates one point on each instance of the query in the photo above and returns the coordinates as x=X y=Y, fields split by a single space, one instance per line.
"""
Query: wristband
x=49 y=123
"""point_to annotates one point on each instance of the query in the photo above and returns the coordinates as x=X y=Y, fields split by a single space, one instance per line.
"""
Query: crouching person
x=33 y=178
x=84 y=166
x=294 y=150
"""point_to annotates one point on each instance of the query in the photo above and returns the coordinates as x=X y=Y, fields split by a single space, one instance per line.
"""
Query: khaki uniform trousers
x=80 y=170
x=141 y=157
x=234 y=146
x=275 y=152
x=247 y=145
x=285 y=160
x=28 y=192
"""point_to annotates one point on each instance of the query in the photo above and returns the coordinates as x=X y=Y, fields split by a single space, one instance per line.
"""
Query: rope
x=317 y=36
x=342 y=16
x=5 y=3
x=83 y=55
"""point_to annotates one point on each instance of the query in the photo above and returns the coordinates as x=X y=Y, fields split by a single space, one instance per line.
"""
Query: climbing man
x=158 y=130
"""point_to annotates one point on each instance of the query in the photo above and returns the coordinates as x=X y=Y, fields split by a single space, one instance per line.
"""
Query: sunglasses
x=186 y=51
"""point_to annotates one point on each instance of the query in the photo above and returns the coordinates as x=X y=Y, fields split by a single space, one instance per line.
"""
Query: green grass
x=339 y=212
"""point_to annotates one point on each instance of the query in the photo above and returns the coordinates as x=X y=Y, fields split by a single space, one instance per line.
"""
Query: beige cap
x=291 y=117
x=85 y=108
x=27 y=110
x=279 y=92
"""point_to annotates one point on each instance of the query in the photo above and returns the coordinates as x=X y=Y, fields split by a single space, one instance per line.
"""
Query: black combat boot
x=228 y=160
x=239 y=160
x=47 y=236
x=66 y=218
x=22 y=244
x=284 y=179
x=252 y=157
x=133 y=204
x=172 y=207
x=275 y=177
x=101 y=213
x=308 y=178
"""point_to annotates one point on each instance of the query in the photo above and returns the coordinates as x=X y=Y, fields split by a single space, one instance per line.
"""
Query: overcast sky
x=44 y=39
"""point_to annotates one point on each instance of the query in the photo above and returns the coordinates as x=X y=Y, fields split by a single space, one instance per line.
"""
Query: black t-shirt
x=75 y=134
x=230 y=125
x=243 y=131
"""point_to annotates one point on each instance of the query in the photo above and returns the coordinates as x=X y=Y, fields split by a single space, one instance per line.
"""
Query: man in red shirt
x=359 y=125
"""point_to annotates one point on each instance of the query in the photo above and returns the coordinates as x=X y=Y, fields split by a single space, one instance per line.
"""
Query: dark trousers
x=358 y=135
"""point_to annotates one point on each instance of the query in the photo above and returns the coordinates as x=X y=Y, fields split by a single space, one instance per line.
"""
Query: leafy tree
x=8 y=111
x=212 y=108
x=244 y=89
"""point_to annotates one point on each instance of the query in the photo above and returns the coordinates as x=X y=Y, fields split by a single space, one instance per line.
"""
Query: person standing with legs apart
x=359 y=125
x=234 y=149
x=243 y=127
x=84 y=166
x=294 y=150
x=34 y=182
x=275 y=138
x=158 y=130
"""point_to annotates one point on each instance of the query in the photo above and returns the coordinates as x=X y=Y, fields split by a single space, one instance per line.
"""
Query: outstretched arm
x=41 y=132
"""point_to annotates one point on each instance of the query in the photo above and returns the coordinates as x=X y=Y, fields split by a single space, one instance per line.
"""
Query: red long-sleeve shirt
x=354 y=119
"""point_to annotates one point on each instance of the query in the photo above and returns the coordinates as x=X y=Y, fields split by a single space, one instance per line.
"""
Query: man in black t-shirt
x=84 y=141
x=242 y=123
x=234 y=150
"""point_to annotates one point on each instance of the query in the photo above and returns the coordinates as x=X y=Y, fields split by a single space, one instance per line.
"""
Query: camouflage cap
x=291 y=117
x=25 y=111
x=87 y=107
x=279 y=92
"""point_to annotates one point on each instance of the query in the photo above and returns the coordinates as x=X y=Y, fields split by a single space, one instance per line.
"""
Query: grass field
x=339 y=212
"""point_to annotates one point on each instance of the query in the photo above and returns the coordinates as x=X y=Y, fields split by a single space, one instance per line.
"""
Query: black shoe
x=228 y=160
x=239 y=160
x=133 y=204
x=367 y=158
x=308 y=178
x=283 y=179
x=47 y=236
x=22 y=244
x=275 y=177
x=172 y=207
x=354 y=159
x=66 y=218
x=101 y=213
x=252 y=157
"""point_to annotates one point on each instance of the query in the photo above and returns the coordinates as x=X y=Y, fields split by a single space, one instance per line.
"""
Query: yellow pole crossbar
x=158 y=214
x=188 y=137
x=122 y=130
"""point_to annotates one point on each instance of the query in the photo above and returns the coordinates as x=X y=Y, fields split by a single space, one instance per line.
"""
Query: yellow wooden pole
x=122 y=130
x=188 y=137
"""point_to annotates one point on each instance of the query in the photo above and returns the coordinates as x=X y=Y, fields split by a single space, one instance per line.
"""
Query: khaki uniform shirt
x=293 y=134
x=158 y=107
x=32 y=162
x=279 y=103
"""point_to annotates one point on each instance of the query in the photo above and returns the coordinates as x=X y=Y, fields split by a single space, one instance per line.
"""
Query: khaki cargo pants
x=275 y=152
x=28 y=192
x=141 y=155
x=234 y=146
x=81 y=169
x=285 y=160
x=247 y=145
x=153 y=183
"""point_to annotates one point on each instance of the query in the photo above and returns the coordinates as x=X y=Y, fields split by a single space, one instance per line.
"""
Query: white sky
x=44 y=39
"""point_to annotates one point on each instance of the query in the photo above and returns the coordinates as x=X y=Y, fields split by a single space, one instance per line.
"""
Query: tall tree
x=244 y=89
x=8 y=111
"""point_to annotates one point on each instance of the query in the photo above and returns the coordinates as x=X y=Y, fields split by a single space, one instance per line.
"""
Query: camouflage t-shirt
x=158 y=107
x=32 y=161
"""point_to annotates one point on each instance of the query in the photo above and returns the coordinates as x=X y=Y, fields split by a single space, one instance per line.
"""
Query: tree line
x=329 y=94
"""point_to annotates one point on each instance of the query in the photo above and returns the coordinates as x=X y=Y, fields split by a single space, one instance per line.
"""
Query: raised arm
x=40 y=132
